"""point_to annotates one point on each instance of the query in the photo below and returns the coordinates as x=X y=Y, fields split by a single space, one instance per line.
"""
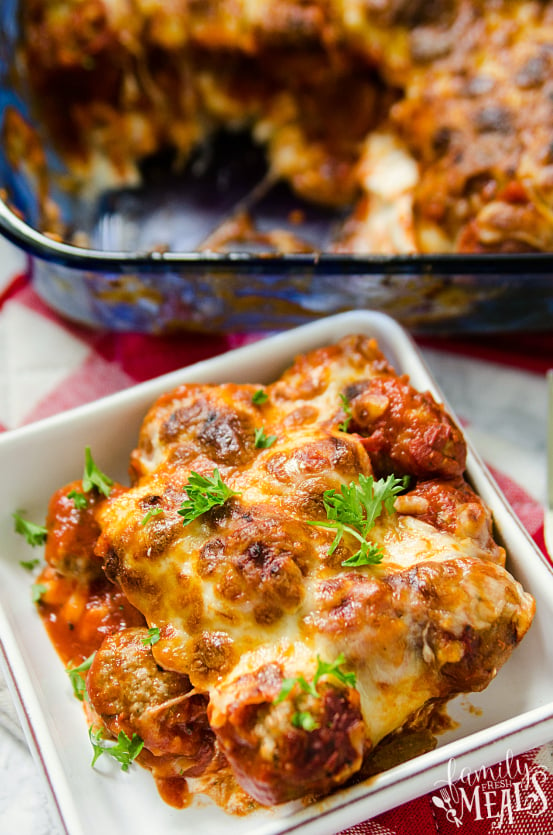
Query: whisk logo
x=493 y=793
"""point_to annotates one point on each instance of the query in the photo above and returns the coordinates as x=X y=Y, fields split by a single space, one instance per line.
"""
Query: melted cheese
x=253 y=592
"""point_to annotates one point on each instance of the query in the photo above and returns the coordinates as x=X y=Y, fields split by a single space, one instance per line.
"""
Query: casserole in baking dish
x=387 y=139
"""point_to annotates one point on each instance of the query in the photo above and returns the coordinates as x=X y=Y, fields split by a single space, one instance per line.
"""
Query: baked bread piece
x=289 y=651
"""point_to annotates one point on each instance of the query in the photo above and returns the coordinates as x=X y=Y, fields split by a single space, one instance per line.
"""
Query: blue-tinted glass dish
x=122 y=280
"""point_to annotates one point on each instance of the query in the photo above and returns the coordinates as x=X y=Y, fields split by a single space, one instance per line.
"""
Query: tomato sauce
x=78 y=616
x=79 y=605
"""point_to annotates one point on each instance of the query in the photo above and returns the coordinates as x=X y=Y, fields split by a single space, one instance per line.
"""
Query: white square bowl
x=514 y=714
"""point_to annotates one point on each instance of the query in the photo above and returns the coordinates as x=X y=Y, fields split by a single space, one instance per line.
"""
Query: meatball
x=405 y=431
x=72 y=533
x=454 y=507
x=132 y=694
x=281 y=749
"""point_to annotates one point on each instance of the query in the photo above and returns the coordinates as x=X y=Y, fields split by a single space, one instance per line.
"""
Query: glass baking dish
x=140 y=264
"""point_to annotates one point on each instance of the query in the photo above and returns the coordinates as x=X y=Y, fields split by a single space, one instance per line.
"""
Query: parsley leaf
x=125 y=750
x=263 y=441
x=37 y=590
x=369 y=553
x=332 y=668
x=324 y=668
x=34 y=534
x=288 y=685
x=343 y=427
x=203 y=493
x=303 y=719
x=79 y=499
x=95 y=478
x=29 y=565
x=154 y=511
x=77 y=681
x=153 y=636
x=355 y=509
x=259 y=397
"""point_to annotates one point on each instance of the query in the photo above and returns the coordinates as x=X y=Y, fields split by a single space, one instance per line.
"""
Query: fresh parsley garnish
x=153 y=636
x=154 y=511
x=259 y=397
x=355 y=509
x=324 y=668
x=77 y=681
x=203 y=493
x=288 y=685
x=303 y=719
x=29 y=565
x=93 y=478
x=332 y=668
x=79 y=499
x=37 y=590
x=124 y=750
x=343 y=427
x=34 y=534
x=368 y=554
x=263 y=441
